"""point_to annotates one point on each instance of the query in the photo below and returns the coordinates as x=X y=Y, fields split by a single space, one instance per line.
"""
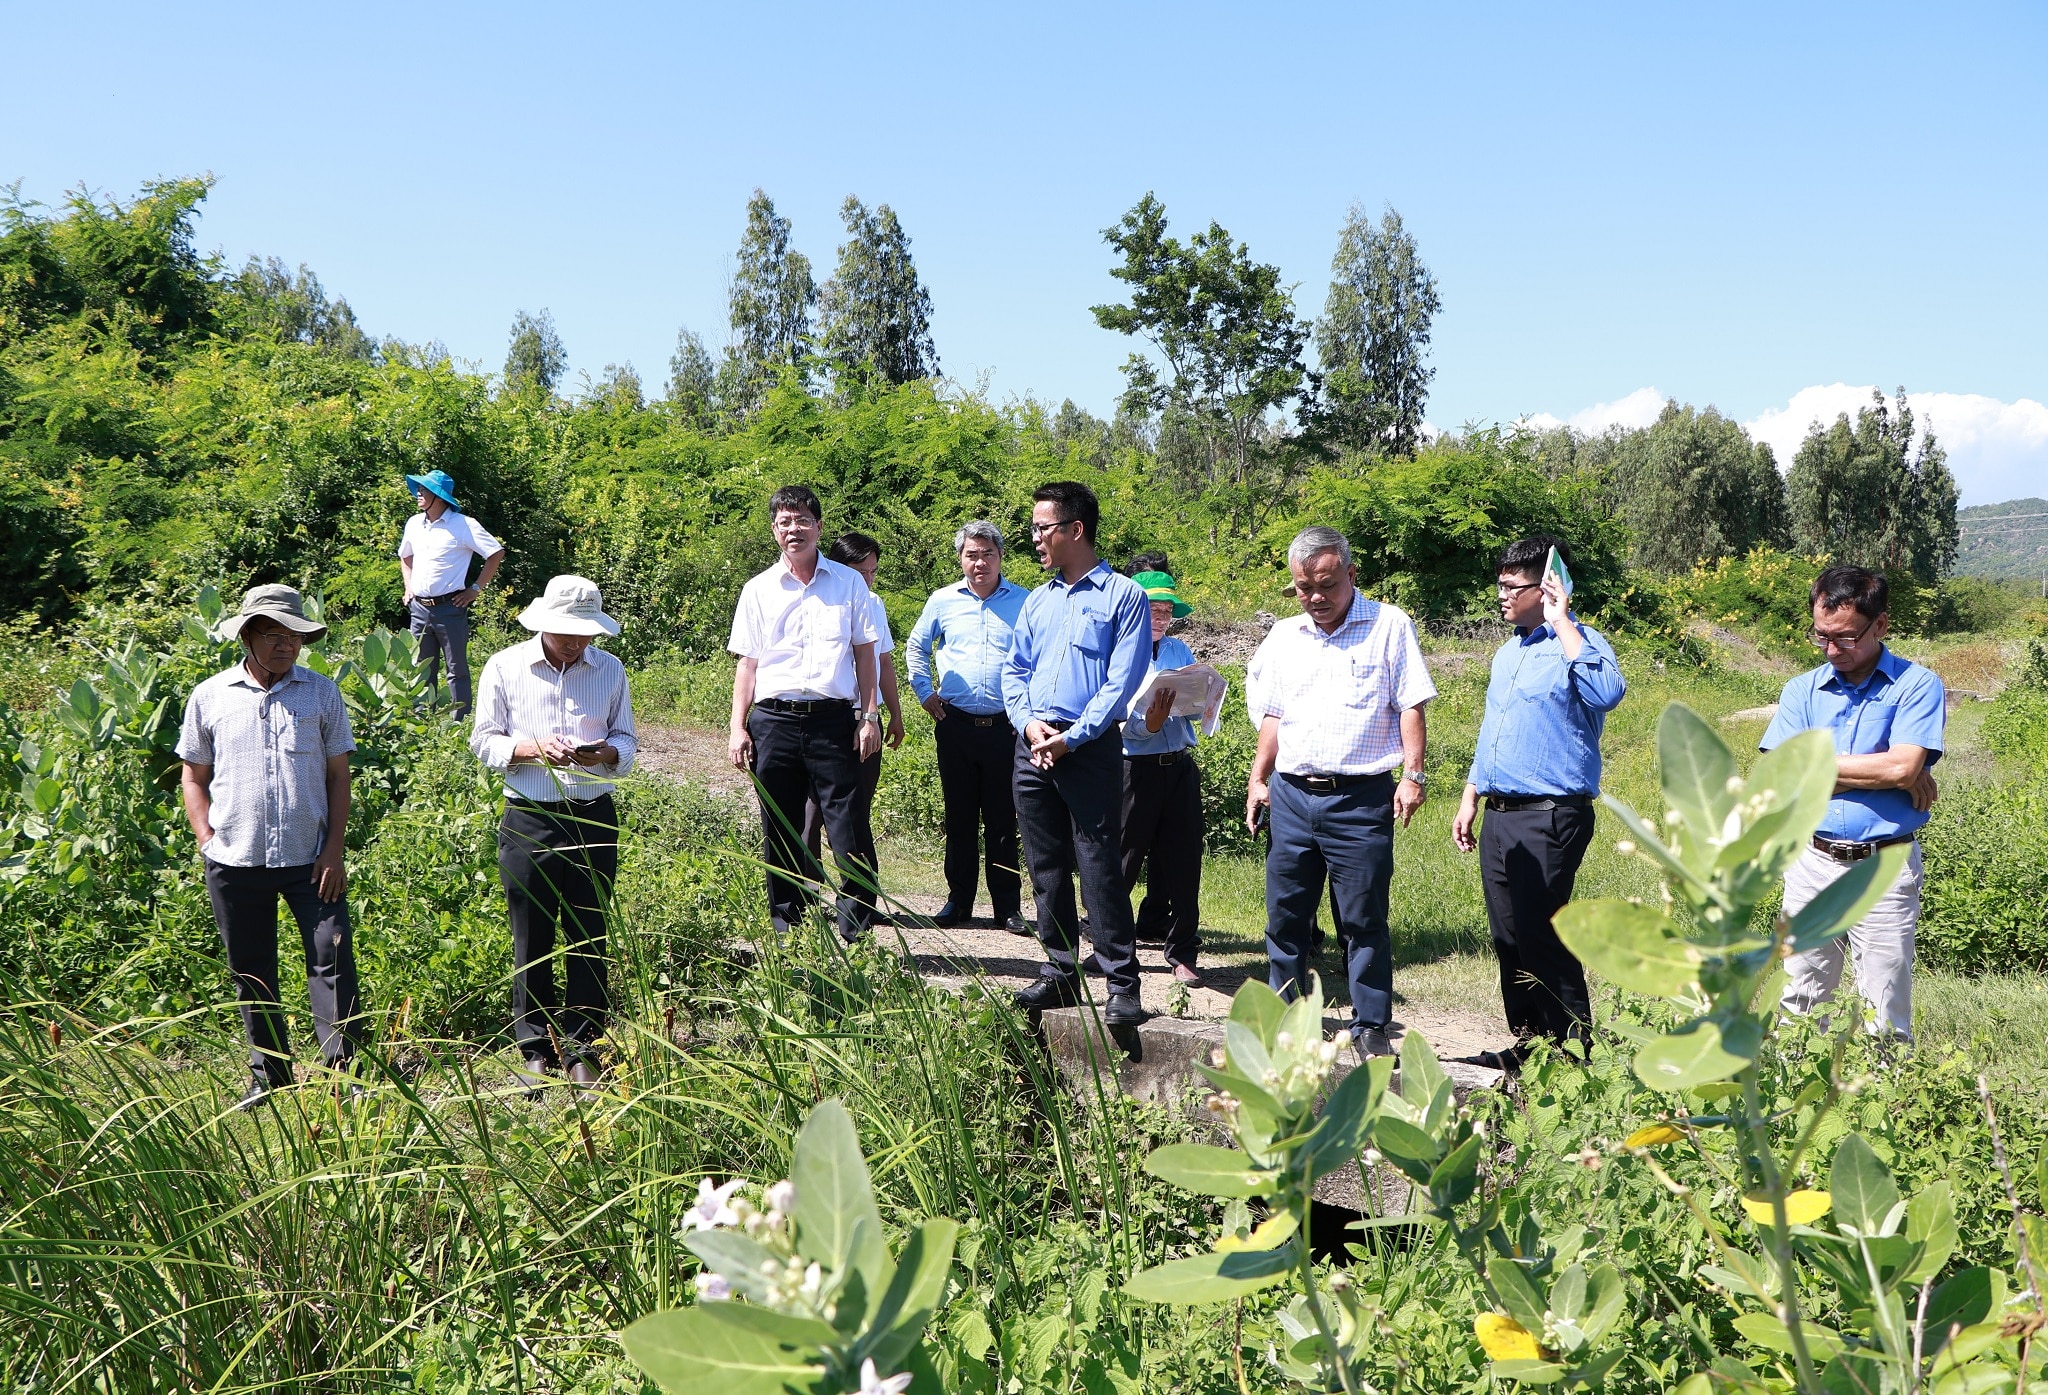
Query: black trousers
x=245 y=908
x=1528 y=861
x=806 y=756
x=1163 y=821
x=814 y=817
x=975 y=769
x=557 y=863
x=1071 y=818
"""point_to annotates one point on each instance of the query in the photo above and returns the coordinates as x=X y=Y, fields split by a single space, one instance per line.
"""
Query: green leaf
x=834 y=1197
x=1212 y=1278
x=1208 y=1171
x=1963 y=1301
x=1423 y=1081
x=1457 y=1175
x=728 y=1348
x=1636 y=947
x=1769 y=1332
x=1605 y=1295
x=1652 y=843
x=1853 y=1373
x=1259 y=1008
x=1347 y=1117
x=1517 y=1295
x=1737 y=1282
x=1848 y=898
x=914 y=1292
x=1930 y=1223
x=1568 y=1294
x=1862 y=1188
x=1529 y=1372
x=1406 y=1147
x=733 y=1256
x=1693 y=1055
x=1248 y=1054
x=1697 y=769
x=1801 y=774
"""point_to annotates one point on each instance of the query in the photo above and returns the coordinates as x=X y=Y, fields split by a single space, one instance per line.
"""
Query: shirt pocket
x=1093 y=631
x=1541 y=678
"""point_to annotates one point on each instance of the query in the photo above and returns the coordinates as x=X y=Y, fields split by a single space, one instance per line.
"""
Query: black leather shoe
x=1049 y=992
x=949 y=916
x=1373 y=1041
x=257 y=1093
x=1016 y=925
x=1124 y=1010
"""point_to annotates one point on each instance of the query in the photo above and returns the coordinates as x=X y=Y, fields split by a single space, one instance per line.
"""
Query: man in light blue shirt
x=969 y=625
x=1077 y=658
x=1163 y=797
x=1888 y=717
x=1537 y=768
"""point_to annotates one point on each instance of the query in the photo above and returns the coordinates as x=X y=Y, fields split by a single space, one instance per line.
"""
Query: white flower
x=712 y=1288
x=714 y=1206
x=873 y=1384
x=814 y=1279
x=782 y=1197
x=1625 y=847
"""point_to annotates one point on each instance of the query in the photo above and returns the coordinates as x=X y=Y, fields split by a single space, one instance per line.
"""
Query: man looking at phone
x=1537 y=769
x=555 y=718
x=1337 y=695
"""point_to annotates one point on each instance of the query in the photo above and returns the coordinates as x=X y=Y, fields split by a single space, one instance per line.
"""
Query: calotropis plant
x=799 y=1293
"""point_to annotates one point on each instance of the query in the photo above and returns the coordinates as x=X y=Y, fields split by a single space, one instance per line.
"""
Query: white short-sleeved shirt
x=1339 y=697
x=440 y=549
x=801 y=637
x=878 y=616
x=269 y=749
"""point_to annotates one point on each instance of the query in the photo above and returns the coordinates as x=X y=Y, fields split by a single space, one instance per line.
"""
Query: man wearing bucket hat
x=266 y=789
x=1163 y=796
x=434 y=557
x=554 y=716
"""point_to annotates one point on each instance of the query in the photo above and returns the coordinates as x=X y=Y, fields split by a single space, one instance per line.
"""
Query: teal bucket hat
x=438 y=484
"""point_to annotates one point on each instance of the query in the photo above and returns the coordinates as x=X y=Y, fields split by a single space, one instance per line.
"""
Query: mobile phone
x=1259 y=816
x=584 y=748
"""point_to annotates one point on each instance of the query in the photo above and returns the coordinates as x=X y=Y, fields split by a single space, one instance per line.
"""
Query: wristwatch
x=874 y=716
x=1421 y=780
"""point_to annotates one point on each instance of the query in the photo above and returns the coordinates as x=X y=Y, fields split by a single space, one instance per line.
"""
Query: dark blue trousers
x=1072 y=817
x=1345 y=839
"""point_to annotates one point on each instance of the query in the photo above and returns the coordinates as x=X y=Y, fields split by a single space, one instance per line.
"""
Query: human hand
x=1556 y=606
x=1047 y=751
x=867 y=738
x=1461 y=823
x=739 y=747
x=1408 y=797
x=1257 y=795
x=1159 y=709
x=330 y=877
x=935 y=705
x=605 y=754
x=466 y=596
x=1923 y=790
x=894 y=737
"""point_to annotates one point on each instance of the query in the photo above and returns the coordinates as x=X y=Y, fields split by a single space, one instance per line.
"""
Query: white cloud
x=1996 y=450
x=1639 y=409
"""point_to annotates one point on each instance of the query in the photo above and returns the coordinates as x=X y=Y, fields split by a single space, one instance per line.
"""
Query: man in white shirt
x=1337 y=695
x=804 y=712
x=434 y=558
x=555 y=717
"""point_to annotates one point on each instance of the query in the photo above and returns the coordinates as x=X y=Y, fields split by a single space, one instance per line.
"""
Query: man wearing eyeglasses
x=1887 y=716
x=1536 y=768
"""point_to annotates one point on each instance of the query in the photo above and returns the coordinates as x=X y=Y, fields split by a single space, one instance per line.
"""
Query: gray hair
x=981 y=530
x=1314 y=542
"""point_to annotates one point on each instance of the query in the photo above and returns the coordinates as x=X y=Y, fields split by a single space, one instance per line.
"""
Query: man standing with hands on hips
x=1076 y=660
x=1537 y=768
x=555 y=718
x=969 y=625
x=1337 y=695
x=434 y=557
x=804 y=712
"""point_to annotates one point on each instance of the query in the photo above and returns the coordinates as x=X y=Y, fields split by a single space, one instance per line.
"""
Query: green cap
x=1159 y=587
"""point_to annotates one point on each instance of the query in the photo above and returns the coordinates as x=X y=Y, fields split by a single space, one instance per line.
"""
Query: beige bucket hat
x=570 y=606
x=273 y=602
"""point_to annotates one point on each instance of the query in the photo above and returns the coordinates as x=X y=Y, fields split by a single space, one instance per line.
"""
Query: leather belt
x=1062 y=725
x=804 y=707
x=1158 y=757
x=545 y=806
x=1849 y=851
x=990 y=720
x=1327 y=784
x=1510 y=803
x=441 y=599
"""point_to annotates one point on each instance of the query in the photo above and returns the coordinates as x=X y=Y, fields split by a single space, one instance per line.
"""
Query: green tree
x=692 y=381
x=770 y=303
x=1860 y=493
x=1693 y=487
x=875 y=315
x=1374 y=336
x=536 y=357
x=1232 y=345
x=267 y=298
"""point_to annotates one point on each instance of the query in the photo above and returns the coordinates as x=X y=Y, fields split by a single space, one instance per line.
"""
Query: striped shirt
x=269 y=749
x=523 y=696
x=1339 y=697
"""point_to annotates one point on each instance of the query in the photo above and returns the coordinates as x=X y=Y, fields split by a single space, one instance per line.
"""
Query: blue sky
x=1730 y=205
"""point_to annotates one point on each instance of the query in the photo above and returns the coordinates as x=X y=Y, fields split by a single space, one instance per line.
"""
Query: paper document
x=1198 y=692
x=1554 y=566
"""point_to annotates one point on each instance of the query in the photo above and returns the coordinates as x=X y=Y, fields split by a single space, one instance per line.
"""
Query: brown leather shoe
x=582 y=1072
x=1190 y=975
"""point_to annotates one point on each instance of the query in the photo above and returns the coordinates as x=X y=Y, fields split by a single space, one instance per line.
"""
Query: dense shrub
x=1985 y=904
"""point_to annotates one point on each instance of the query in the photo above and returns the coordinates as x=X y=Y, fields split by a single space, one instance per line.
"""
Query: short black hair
x=1531 y=553
x=1076 y=500
x=850 y=548
x=1858 y=586
x=796 y=496
x=1147 y=562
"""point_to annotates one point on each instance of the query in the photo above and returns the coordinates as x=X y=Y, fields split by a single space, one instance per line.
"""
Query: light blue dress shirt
x=1177 y=733
x=1544 y=715
x=1901 y=703
x=1078 y=653
x=973 y=636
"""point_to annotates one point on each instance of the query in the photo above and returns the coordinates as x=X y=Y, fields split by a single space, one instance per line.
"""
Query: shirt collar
x=1093 y=577
x=1356 y=615
x=1889 y=667
x=789 y=574
x=1003 y=584
x=241 y=672
x=537 y=657
x=1542 y=630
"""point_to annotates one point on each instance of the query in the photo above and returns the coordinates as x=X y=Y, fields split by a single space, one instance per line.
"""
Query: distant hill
x=2004 y=540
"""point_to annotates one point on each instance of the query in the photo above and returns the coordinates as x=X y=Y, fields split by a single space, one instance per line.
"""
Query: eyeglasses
x=1822 y=642
x=1039 y=530
x=1505 y=591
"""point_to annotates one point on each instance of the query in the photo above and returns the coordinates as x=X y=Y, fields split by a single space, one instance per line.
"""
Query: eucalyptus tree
x=1374 y=337
x=1231 y=344
x=1693 y=487
x=769 y=303
x=875 y=315
x=692 y=380
x=535 y=357
x=1861 y=493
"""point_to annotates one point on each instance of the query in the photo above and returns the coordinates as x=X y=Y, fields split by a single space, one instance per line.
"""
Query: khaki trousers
x=1882 y=944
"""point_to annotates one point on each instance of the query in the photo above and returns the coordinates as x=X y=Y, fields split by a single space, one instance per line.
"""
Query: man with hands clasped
x=1337 y=695
x=1537 y=769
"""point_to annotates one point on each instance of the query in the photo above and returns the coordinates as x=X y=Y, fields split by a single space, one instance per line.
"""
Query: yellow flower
x=1651 y=1135
x=1505 y=1339
x=1801 y=1207
x=1276 y=1228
